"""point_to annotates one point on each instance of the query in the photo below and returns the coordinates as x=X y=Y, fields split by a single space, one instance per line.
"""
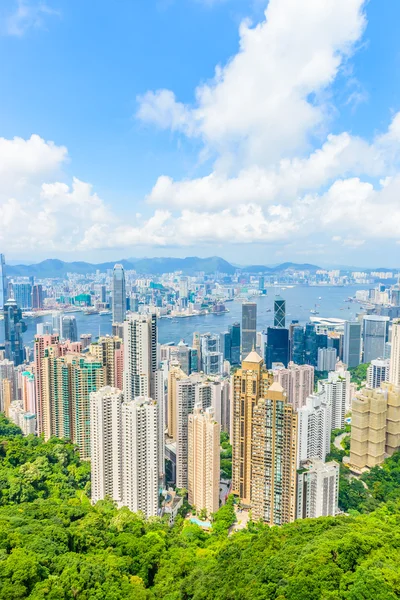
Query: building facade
x=375 y=425
x=274 y=458
x=378 y=372
x=118 y=294
x=352 y=343
x=318 y=490
x=249 y=327
x=204 y=460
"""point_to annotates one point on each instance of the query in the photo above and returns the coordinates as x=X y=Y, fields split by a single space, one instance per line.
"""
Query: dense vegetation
x=359 y=374
x=226 y=456
x=55 y=546
x=369 y=491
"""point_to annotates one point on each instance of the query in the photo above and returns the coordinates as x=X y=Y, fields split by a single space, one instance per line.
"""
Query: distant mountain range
x=152 y=266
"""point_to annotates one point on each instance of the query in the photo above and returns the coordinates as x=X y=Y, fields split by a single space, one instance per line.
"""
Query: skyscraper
x=249 y=327
x=310 y=345
x=65 y=379
x=250 y=383
x=87 y=375
x=327 y=358
x=23 y=295
x=297 y=381
x=297 y=347
x=69 y=329
x=211 y=355
x=14 y=327
x=314 y=428
x=277 y=348
x=185 y=403
x=141 y=375
x=204 y=460
x=279 y=312
x=7 y=371
x=37 y=296
x=375 y=425
x=234 y=331
x=337 y=390
x=125 y=450
x=378 y=372
x=140 y=356
x=140 y=455
x=395 y=354
x=106 y=350
x=106 y=443
x=3 y=282
x=375 y=336
x=352 y=343
x=40 y=343
x=274 y=458
x=183 y=287
x=318 y=490
x=118 y=295
x=226 y=345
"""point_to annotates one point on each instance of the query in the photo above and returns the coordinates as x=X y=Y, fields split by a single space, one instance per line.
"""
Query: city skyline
x=167 y=144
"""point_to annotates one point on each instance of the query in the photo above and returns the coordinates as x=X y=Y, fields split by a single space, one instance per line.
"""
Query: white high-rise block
x=337 y=389
x=105 y=440
x=378 y=372
x=140 y=458
x=394 y=376
x=140 y=356
x=314 y=428
x=318 y=490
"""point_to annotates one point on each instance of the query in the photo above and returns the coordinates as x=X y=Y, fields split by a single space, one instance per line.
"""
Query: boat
x=103 y=313
x=314 y=312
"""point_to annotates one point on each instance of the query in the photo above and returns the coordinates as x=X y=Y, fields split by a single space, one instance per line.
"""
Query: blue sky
x=289 y=152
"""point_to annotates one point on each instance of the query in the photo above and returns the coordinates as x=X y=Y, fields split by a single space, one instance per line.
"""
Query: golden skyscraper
x=375 y=425
x=264 y=444
x=250 y=383
x=203 y=460
x=274 y=458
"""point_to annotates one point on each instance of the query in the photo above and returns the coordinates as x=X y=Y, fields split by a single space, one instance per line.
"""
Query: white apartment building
x=314 y=428
x=378 y=372
x=337 y=389
x=140 y=356
x=395 y=354
x=318 y=490
x=140 y=455
x=327 y=358
x=125 y=450
x=106 y=443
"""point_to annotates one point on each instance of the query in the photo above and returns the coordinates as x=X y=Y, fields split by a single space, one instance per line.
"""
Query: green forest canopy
x=55 y=545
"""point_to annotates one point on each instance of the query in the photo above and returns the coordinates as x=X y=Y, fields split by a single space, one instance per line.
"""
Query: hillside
x=56 y=546
x=152 y=266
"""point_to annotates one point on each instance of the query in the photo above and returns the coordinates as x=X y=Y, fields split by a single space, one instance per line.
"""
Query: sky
x=258 y=131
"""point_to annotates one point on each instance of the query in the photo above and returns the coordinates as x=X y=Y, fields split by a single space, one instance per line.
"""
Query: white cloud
x=28 y=15
x=340 y=155
x=267 y=100
x=267 y=185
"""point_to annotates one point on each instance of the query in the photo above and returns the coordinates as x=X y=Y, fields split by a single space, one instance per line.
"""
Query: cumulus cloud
x=267 y=100
x=269 y=183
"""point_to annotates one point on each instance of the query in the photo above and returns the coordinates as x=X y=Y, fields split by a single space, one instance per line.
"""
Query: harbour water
x=328 y=301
